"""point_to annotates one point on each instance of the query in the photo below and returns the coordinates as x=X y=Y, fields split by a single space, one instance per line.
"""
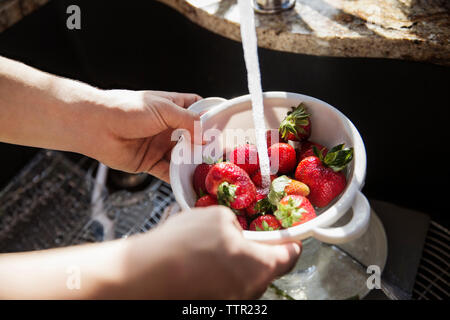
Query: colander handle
x=352 y=230
x=204 y=105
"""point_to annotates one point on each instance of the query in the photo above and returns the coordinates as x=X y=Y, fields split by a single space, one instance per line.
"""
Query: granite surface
x=12 y=11
x=400 y=29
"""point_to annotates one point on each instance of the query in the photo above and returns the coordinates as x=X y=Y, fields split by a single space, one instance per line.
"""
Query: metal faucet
x=272 y=6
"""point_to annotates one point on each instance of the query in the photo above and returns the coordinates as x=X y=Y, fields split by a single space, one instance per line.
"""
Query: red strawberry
x=243 y=222
x=231 y=185
x=251 y=210
x=265 y=223
x=273 y=136
x=284 y=186
x=282 y=155
x=296 y=126
x=257 y=178
x=206 y=201
x=200 y=174
x=246 y=157
x=322 y=174
x=294 y=210
x=307 y=149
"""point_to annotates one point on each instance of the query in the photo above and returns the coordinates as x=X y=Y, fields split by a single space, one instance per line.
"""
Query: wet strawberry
x=243 y=222
x=273 y=136
x=296 y=126
x=294 y=210
x=200 y=173
x=323 y=174
x=257 y=178
x=284 y=186
x=246 y=157
x=231 y=185
x=253 y=209
x=206 y=201
x=283 y=157
x=266 y=222
x=307 y=150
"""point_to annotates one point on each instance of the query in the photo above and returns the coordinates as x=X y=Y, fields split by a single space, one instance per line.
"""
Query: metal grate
x=48 y=204
x=45 y=205
x=432 y=280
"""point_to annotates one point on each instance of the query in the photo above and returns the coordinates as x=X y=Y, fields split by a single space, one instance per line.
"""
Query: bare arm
x=41 y=110
x=197 y=255
x=126 y=130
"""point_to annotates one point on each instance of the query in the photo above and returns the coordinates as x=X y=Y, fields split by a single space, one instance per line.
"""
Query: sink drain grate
x=432 y=280
x=48 y=205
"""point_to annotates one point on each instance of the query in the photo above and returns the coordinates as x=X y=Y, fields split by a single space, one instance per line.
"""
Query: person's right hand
x=203 y=255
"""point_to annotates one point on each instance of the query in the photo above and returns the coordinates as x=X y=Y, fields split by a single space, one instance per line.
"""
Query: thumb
x=176 y=117
x=283 y=256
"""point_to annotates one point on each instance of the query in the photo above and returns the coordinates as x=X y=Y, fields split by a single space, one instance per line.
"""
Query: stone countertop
x=12 y=11
x=400 y=29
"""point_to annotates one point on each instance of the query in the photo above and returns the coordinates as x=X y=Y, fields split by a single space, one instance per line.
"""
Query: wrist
x=82 y=116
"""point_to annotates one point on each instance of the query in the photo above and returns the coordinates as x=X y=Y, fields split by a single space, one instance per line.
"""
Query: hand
x=137 y=127
x=202 y=255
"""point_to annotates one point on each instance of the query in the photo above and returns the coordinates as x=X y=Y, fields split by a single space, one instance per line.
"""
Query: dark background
x=399 y=107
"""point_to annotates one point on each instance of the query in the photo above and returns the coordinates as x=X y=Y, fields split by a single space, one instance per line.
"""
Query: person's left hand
x=133 y=130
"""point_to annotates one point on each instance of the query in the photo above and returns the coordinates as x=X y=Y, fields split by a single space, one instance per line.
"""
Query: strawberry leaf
x=276 y=192
x=266 y=226
x=209 y=160
x=201 y=193
x=295 y=121
x=290 y=212
x=264 y=206
x=226 y=193
x=338 y=157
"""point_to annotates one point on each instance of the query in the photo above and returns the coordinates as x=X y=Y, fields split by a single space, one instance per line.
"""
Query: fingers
x=183 y=100
x=186 y=99
x=282 y=257
x=176 y=117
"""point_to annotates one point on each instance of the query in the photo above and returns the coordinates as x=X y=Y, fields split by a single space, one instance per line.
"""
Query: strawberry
x=246 y=157
x=265 y=223
x=206 y=201
x=257 y=178
x=243 y=222
x=272 y=135
x=231 y=185
x=296 y=126
x=323 y=174
x=285 y=186
x=282 y=155
x=253 y=208
x=294 y=210
x=199 y=178
x=307 y=149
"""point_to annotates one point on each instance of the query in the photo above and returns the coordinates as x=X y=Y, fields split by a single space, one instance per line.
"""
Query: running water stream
x=250 y=46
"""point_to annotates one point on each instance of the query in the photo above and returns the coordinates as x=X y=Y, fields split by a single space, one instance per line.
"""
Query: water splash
x=250 y=46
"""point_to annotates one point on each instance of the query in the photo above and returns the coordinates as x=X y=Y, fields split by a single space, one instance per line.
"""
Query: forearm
x=42 y=110
x=120 y=269
x=54 y=274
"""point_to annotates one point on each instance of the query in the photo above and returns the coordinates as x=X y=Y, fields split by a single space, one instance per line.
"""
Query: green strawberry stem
x=265 y=227
x=226 y=193
x=337 y=158
x=290 y=212
x=264 y=206
x=295 y=121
